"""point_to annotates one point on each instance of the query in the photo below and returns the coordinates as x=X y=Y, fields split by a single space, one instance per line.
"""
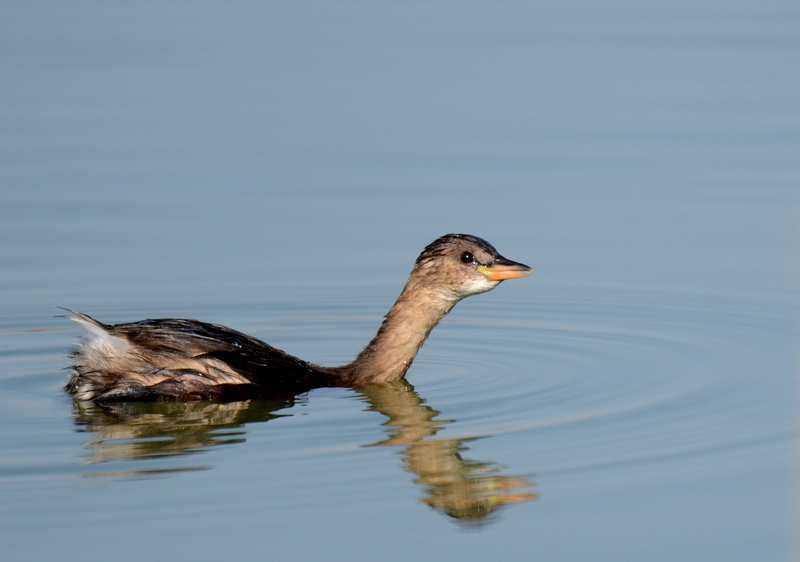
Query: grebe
x=175 y=359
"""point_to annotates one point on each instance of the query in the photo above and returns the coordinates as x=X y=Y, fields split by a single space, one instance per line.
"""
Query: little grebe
x=173 y=359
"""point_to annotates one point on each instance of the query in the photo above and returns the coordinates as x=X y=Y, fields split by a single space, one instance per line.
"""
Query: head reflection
x=469 y=491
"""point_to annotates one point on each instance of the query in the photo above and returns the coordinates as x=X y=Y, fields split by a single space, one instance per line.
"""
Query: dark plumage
x=186 y=360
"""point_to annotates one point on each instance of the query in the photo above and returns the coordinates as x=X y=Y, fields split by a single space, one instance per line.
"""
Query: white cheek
x=476 y=285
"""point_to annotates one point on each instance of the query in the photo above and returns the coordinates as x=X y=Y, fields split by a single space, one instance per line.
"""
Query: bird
x=171 y=359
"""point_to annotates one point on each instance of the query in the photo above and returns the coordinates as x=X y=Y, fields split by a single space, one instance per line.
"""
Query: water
x=277 y=168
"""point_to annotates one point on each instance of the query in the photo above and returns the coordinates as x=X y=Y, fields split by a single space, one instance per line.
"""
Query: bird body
x=179 y=359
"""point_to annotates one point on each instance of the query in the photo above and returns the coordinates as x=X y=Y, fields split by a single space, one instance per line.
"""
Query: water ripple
x=622 y=375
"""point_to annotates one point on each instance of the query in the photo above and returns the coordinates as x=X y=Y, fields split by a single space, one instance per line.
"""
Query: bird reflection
x=151 y=430
x=468 y=491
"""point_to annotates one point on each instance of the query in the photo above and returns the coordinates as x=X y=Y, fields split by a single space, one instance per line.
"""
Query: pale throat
x=406 y=327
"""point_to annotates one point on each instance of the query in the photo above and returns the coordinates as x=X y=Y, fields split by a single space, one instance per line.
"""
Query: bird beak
x=501 y=269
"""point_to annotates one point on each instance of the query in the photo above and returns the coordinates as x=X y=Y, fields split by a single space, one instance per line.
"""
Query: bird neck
x=406 y=327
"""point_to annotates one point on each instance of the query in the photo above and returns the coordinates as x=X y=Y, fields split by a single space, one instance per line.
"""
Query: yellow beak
x=501 y=269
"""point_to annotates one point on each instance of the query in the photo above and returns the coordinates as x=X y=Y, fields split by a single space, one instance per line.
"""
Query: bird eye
x=467 y=257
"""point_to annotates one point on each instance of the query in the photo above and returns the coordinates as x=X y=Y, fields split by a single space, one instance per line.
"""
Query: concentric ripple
x=594 y=378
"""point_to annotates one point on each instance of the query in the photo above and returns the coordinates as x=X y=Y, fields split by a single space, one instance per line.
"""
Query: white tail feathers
x=98 y=338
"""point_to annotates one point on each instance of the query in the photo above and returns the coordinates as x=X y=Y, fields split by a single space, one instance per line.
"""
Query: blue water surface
x=276 y=167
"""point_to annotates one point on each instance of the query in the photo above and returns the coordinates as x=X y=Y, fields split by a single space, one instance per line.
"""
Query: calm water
x=277 y=167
